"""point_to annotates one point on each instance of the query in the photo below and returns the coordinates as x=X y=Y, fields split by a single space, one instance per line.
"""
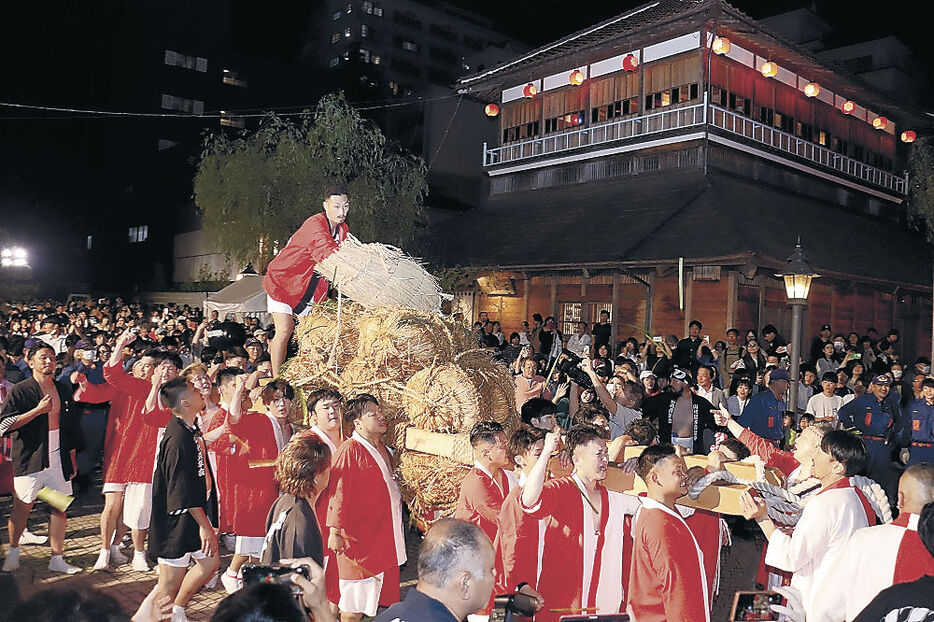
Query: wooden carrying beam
x=742 y=470
x=723 y=499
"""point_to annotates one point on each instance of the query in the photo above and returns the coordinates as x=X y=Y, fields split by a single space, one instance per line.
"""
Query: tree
x=256 y=189
x=920 y=202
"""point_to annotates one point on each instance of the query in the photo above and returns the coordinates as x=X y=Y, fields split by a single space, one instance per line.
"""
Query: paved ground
x=83 y=543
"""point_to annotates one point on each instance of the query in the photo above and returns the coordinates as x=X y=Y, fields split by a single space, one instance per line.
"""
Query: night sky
x=59 y=53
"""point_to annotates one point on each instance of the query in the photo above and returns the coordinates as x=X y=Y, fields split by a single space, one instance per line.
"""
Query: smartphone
x=755 y=606
x=707 y=339
x=274 y=573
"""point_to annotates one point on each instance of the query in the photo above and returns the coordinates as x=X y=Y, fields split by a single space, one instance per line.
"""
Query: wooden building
x=662 y=165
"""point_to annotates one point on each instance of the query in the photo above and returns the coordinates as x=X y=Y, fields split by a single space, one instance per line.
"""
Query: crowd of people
x=196 y=447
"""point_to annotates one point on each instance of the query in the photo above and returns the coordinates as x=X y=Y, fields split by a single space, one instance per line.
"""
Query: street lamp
x=797 y=277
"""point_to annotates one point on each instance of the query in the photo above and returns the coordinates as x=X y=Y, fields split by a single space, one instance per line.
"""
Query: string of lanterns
x=719 y=46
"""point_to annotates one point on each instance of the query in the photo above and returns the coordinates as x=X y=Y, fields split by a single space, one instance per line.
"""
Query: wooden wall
x=845 y=306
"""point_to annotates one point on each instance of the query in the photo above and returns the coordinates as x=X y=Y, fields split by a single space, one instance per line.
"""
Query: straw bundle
x=377 y=275
x=430 y=483
x=494 y=380
x=402 y=342
x=444 y=398
x=318 y=337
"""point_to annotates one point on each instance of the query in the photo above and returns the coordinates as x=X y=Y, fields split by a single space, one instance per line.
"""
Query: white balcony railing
x=632 y=128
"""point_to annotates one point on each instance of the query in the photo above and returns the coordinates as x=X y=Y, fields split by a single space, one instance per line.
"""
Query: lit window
x=375 y=59
x=666 y=98
x=90 y=241
x=365 y=31
x=394 y=88
x=334 y=62
x=409 y=46
x=171 y=102
x=364 y=55
x=138 y=234
x=335 y=37
x=166 y=144
x=176 y=59
x=233 y=78
x=336 y=15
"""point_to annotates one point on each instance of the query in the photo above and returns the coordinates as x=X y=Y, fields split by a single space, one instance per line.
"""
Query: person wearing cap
x=93 y=415
x=649 y=383
x=291 y=283
x=920 y=414
x=763 y=414
x=681 y=416
x=51 y=333
x=254 y=349
x=817 y=344
x=877 y=419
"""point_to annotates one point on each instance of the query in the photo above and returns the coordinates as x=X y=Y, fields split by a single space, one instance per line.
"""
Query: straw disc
x=430 y=483
x=492 y=379
x=444 y=398
x=318 y=337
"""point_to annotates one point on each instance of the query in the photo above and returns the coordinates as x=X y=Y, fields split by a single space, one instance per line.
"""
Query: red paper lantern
x=530 y=90
x=812 y=89
x=848 y=107
x=576 y=78
x=721 y=45
x=630 y=63
x=769 y=69
x=491 y=110
x=880 y=123
x=909 y=136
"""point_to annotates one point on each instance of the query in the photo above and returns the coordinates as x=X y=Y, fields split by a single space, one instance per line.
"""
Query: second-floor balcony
x=701 y=117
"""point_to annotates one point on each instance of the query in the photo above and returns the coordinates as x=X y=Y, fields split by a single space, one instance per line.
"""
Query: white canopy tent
x=245 y=297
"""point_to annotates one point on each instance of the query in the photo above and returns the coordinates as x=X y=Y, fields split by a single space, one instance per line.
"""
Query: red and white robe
x=668 y=580
x=519 y=542
x=481 y=497
x=331 y=580
x=582 y=561
x=366 y=503
x=873 y=559
x=828 y=520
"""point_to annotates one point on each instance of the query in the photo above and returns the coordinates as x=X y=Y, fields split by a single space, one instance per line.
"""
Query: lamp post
x=797 y=276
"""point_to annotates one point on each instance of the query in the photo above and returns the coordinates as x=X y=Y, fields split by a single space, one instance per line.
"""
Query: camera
x=569 y=366
x=274 y=573
x=507 y=607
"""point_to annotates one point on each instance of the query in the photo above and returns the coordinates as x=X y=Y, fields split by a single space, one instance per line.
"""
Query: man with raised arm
x=582 y=555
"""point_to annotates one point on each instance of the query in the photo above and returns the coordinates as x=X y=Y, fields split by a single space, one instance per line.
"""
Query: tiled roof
x=655 y=218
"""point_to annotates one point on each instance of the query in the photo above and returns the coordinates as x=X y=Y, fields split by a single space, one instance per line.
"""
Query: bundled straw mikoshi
x=493 y=379
x=403 y=342
x=377 y=275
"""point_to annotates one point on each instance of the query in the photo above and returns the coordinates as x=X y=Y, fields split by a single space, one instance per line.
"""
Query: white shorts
x=360 y=595
x=251 y=546
x=27 y=487
x=113 y=487
x=184 y=561
x=137 y=505
x=274 y=306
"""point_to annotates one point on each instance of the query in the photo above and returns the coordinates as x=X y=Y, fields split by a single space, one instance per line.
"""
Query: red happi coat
x=481 y=499
x=365 y=503
x=246 y=493
x=518 y=545
x=134 y=456
x=667 y=579
x=291 y=273
x=582 y=563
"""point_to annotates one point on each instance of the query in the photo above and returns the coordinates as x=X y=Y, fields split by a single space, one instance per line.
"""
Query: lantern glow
x=848 y=107
x=909 y=136
x=721 y=45
x=880 y=123
x=530 y=90
x=491 y=110
x=576 y=78
x=630 y=63
x=769 y=69
x=812 y=89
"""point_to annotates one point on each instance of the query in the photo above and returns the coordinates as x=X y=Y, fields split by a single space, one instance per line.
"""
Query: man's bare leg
x=57 y=523
x=170 y=579
x=110 y=519
x=139 y=549
x=17 y=521
x=194 y=580
x=279 y=345
x=231 y=579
